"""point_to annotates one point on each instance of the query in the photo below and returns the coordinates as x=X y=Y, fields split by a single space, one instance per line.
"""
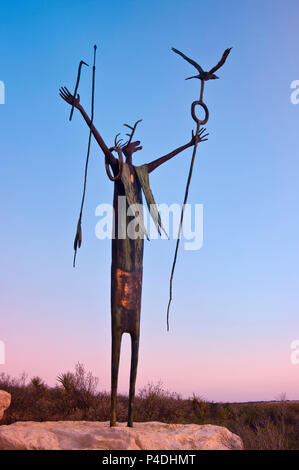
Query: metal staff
x=78 y=237
x=202 y=76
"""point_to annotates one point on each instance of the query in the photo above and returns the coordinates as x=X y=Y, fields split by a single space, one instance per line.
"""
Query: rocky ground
x=58 y=435
x=77 y=435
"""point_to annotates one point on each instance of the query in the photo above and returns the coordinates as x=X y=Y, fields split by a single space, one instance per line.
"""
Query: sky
x=235 y=308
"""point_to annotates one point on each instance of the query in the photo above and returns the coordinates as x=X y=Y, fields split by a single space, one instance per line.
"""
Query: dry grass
x=269 y=425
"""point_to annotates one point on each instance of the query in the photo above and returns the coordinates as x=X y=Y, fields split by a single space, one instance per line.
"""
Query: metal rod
x=78 y=238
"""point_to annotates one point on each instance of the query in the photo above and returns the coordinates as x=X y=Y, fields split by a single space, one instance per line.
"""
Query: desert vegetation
x=262 y=425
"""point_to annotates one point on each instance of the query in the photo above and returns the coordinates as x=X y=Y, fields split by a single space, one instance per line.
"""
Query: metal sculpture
x=130 y=181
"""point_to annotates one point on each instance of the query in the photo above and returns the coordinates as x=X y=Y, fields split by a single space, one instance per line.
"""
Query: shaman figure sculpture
x=129 y=181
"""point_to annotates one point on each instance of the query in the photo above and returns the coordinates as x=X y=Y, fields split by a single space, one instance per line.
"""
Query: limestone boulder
x=58 y=435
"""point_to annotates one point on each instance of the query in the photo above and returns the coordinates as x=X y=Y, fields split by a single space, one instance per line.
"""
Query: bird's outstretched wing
x=221 y=62
x=192 y=62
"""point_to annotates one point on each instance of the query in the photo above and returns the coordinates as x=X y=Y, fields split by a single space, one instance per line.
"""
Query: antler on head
x=117 y=142
x=133 y=130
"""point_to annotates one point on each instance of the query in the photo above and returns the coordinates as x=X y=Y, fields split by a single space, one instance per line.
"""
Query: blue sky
x=235 y=308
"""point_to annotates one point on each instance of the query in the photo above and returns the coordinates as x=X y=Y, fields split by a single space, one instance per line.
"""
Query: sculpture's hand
x=201 y=137
x=69 y=98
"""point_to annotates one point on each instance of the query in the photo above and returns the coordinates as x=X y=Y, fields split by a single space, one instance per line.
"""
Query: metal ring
x=120 y=163
x=204 y=106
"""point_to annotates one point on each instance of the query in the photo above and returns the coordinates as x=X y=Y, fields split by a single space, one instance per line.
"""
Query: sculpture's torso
x=127 y=262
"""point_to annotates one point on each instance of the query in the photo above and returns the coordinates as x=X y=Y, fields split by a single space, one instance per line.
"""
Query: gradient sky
x=235 y=308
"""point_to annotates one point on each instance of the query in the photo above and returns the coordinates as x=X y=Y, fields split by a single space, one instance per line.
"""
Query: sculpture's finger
x=63 y=97
x=67 y=93
x=62 y=92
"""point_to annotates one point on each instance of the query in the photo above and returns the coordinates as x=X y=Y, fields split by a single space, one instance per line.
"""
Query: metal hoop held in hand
x=120 y=163
x=193 y=114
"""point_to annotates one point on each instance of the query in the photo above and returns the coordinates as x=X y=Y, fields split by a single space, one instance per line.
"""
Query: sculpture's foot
x=130 y=420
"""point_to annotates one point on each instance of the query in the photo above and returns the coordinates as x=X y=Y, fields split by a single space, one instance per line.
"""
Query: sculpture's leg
x=116 y=343
x=133 y=374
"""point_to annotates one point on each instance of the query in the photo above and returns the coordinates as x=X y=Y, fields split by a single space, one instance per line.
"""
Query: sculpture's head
x=129 y=149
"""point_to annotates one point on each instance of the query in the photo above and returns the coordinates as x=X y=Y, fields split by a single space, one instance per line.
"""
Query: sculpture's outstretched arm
x=68 y=97
x=159 y=161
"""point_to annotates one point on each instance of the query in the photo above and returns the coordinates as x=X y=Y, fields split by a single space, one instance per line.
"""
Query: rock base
x=75 y=435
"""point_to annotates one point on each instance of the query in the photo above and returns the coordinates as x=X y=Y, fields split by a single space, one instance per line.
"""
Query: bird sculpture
x=210 y=75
